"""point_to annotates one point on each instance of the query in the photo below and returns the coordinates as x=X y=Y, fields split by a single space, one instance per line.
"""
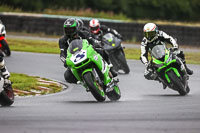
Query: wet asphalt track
x=143 y=108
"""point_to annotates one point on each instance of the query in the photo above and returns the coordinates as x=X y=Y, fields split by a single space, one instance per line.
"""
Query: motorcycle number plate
x=79 y=57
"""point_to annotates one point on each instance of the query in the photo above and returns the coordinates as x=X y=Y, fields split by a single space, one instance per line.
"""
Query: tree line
x=181 y=10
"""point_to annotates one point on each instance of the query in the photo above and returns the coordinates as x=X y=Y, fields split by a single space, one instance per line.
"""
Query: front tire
x=178 y=84
x=95 y=88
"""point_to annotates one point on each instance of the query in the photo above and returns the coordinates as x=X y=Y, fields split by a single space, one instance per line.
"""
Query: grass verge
x=33 y=46
x=25 y=85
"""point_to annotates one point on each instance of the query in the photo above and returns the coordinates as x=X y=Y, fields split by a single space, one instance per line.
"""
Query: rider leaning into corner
x=4 y=71
x=152 y=36
x=2 y=35
x=74 y=29
x=97 y=31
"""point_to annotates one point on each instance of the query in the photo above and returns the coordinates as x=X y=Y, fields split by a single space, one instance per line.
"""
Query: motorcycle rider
x=99 y=30
x=73 y=29
x=152 y=36
x=4 y=71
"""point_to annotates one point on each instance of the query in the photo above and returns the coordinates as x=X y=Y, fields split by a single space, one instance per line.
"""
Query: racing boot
x=164 y=86
x=189 y=71
x=114 y=73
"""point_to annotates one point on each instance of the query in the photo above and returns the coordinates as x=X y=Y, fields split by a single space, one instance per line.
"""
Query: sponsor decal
x=96 y=57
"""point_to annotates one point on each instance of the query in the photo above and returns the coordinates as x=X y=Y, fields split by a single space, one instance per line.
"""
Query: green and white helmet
x=70 y=27
x=150 y=31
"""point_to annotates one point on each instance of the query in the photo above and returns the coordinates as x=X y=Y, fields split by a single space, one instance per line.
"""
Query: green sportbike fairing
x=92 y=71
x=170 y=69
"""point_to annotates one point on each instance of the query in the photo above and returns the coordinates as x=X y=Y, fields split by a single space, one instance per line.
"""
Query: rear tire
x=94 y=87
x=7 y=97
x=122 y=61
x=115 y=94
x=178 y=84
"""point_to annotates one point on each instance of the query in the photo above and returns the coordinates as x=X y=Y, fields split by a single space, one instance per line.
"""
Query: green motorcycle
x=169 y=69
x=92 y=71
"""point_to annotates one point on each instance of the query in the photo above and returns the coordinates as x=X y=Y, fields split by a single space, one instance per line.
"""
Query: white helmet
x=94 y=26
x=2 y=30
x=150 y=31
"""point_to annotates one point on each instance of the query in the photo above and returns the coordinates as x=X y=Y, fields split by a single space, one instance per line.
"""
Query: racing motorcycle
x=113 y=47
x=92 y=71
x=170 y=69
x=6 y=93
x=4 y=48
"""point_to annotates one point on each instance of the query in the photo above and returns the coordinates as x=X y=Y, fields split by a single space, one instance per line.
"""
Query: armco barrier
x=51 y=24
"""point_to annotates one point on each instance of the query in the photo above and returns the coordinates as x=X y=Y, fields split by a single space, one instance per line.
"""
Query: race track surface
x=143 y=108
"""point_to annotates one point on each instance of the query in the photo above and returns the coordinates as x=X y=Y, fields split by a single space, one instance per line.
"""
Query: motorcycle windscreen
x=110 y=41
x=108 y=37
x=75 y=46
x=158 y=51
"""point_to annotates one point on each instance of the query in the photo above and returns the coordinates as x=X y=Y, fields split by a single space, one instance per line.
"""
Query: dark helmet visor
x=150 y=35
x=94 y=28
x=70 y=30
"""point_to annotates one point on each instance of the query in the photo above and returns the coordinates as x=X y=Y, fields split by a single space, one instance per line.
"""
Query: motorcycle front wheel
x=95 y=88
x=178 y=83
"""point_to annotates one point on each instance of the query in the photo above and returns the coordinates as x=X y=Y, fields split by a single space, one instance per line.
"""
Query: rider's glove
x=175 y=50
x=120 y=36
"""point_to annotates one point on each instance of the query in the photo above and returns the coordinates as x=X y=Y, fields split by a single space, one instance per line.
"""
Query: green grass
x=23 y=83
x=33 y=46
x=192 y=58
x=132 y=53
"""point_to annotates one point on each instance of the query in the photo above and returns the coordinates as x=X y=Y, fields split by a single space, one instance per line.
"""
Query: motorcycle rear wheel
x=122 y=61
x=7 y=96
x=115 y=94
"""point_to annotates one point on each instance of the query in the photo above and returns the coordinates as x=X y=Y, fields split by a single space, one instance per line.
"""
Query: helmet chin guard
x=94 y=25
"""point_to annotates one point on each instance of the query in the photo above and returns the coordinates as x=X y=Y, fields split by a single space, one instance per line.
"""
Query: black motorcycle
x=112 y=45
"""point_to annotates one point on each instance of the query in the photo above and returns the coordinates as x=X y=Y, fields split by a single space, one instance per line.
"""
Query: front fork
x=182 y=68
